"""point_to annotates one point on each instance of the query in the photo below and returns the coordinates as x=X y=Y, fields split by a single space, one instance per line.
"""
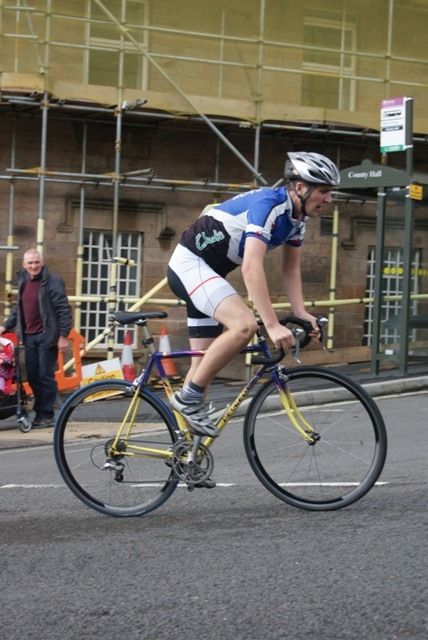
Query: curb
x=400 y=385
x=374 y=389
x=12 y=438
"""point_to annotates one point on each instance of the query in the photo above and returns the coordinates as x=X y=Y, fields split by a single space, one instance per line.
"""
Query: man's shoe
x=42 y=423
x=196 y=415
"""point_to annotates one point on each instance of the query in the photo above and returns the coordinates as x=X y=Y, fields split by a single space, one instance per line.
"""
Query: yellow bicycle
x=313 y=436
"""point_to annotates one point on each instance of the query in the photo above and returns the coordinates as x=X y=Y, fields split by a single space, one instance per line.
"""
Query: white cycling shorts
x=201 y=288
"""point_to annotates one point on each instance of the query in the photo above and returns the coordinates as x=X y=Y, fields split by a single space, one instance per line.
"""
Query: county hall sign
x=368 y=175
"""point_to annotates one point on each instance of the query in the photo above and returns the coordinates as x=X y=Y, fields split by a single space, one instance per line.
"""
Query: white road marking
x=225 y=485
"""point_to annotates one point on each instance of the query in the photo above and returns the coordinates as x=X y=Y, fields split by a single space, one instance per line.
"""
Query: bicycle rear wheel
x=348 y=446
x=116 y=476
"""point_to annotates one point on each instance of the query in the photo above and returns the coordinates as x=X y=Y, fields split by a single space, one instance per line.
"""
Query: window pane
x=103 y=68
x=132 y=73
x=392 y=284
x=328 y=84
x=322 y=37
x=96 y=270
x=114 y=6
x=320 y=91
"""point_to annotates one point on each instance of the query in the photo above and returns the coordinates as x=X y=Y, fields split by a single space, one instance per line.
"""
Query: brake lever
x=297 y=333
x=323 y=322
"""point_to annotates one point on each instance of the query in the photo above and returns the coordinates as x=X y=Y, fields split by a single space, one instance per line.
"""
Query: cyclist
x=236 y=232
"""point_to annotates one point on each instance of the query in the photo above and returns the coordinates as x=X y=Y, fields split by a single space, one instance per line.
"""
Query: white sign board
x=393 y=125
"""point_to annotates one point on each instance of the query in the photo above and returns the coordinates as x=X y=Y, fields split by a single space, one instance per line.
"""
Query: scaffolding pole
x=126 y=180
x=79 y=251
x=333 y=279
x=258 y=177
x=9 y=255
x=40 y=234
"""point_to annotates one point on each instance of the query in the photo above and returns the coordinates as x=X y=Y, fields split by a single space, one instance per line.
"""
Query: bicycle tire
x=339 y=468
x=85 y=429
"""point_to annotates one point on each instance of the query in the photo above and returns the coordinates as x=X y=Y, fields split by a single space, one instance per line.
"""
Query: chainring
x=196 y=472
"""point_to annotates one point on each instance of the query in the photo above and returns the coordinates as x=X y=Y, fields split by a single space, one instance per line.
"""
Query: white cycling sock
x=192 y=393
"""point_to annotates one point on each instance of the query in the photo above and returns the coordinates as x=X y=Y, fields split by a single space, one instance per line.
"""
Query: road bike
x=313 y=436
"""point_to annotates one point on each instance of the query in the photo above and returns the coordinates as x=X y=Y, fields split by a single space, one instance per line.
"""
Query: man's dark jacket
x=54 y=308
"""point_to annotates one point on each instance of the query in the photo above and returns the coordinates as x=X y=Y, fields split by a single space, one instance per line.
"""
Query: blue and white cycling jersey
x=218 y=235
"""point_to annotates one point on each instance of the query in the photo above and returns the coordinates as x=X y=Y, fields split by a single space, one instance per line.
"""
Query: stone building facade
x=270 y=79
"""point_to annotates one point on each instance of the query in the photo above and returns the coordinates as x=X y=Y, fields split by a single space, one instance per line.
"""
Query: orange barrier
x=64 y=381
x=69 y=381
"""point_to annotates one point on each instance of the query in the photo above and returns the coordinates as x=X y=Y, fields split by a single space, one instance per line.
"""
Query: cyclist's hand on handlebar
x=316 y=331
x=281 y=337
x=306 y=325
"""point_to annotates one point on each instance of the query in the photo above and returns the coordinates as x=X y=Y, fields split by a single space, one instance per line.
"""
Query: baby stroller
x=13 y=398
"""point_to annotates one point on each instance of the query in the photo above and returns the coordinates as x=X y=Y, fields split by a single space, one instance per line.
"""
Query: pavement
x=387 y=382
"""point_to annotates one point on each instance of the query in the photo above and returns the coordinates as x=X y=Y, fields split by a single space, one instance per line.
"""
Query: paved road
x=228 y=563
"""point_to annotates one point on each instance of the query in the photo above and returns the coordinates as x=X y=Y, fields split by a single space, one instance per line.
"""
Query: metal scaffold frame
x=116 y=180
x=221 y=37
x=144 y=178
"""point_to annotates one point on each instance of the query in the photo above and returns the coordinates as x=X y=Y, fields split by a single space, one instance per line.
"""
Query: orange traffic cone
x=127 y=359
x=165 y=347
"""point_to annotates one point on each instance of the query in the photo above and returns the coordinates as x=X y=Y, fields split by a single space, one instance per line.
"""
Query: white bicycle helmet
x=312 y=168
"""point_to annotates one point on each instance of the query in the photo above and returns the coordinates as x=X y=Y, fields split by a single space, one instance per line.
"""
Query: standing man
x=42 y=318
x=240 y=231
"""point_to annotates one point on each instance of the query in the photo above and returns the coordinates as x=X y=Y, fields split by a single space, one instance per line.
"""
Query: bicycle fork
x=301 y=425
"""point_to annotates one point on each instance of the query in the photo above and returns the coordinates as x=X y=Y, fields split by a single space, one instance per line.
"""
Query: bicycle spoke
x=117 y=466
x=336 y=469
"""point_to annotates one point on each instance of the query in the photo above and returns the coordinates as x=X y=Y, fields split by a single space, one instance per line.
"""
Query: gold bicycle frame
x=127 y=426
x=297 y=420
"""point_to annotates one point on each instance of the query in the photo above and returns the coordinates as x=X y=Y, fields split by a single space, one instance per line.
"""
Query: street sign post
x=396 y=134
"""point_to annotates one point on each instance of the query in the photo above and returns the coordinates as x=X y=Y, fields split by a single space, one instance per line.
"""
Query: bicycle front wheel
x=114 y=456
x=339 y=451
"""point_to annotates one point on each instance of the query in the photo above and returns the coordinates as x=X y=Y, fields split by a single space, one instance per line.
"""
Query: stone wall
x=183 y=151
